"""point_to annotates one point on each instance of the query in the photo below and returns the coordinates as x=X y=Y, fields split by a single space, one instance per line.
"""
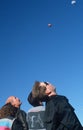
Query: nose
x=18 y=99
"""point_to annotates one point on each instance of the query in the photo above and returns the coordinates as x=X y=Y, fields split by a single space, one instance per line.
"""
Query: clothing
x=17 y=125
x=8 y=111
x=6 y=123
x=20 y=123
x=60 y=115
x=35 y=117
x=10 y=123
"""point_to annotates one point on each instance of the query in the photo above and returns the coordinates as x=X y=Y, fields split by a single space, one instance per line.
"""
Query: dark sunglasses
x=46 y=83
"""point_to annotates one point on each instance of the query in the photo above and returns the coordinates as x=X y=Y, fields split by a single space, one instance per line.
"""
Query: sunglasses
x=46 y=83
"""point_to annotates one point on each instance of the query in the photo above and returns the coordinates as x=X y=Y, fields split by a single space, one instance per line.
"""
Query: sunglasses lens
x=46 y=83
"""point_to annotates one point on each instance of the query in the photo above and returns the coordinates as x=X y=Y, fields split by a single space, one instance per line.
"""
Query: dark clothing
x=60 y=115
x=17 y=125
x=20 y=123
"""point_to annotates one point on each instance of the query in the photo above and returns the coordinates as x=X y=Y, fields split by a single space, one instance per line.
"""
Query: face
x=49 y=87
x=14 y=101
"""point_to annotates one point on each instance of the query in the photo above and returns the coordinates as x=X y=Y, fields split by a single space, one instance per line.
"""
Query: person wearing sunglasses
x=59 y=113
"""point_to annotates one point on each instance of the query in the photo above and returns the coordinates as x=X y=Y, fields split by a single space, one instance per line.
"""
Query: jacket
x=60 y=115
x=35 y=117
x=10 y=123
x=20 y=123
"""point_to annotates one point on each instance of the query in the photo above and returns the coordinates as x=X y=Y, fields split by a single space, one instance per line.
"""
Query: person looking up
x=8 y=120
x=35 y=114
x=21 y=115
x=59 y=113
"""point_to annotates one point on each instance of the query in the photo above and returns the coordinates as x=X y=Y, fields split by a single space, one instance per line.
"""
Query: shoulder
x=16 y=125
x=7 y=122
x=21 y=115
x=36 y=109
x=58 y=98
x=21 y=112
x=57 y=101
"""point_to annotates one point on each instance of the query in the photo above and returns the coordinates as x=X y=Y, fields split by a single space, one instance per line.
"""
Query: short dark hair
x=33 y=101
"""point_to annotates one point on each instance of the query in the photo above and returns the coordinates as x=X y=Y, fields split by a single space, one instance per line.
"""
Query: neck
x=52 y=93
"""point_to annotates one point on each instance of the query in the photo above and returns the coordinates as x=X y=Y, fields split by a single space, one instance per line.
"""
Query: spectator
x=8 y=118
x=21 y=115
x=35 y=115
x=59 y=114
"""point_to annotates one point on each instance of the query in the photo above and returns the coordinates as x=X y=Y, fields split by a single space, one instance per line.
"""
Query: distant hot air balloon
x=49 y=25
x=73 y=2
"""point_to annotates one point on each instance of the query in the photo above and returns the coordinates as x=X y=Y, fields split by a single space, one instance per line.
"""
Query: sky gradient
x=30 y=50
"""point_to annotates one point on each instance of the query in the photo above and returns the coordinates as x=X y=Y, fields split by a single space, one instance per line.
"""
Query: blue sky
x=30 y=50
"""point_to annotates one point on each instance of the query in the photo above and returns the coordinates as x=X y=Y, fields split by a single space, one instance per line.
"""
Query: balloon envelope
x=73 y=2
x=49 y=25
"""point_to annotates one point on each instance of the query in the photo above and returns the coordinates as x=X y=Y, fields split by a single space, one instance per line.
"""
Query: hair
x=38 y=91
x=8 y=110
x=34 y=101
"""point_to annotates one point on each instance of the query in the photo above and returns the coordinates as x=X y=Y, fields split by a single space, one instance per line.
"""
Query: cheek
x=52 y=89
x=47 y=91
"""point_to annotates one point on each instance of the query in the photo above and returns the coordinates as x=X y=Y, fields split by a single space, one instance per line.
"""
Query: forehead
x=12 y=97
x=48 y=86
x=42 y=84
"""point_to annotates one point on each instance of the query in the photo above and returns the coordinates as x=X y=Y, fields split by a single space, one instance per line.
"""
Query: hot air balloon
x=73 y=2
x=49 y=25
